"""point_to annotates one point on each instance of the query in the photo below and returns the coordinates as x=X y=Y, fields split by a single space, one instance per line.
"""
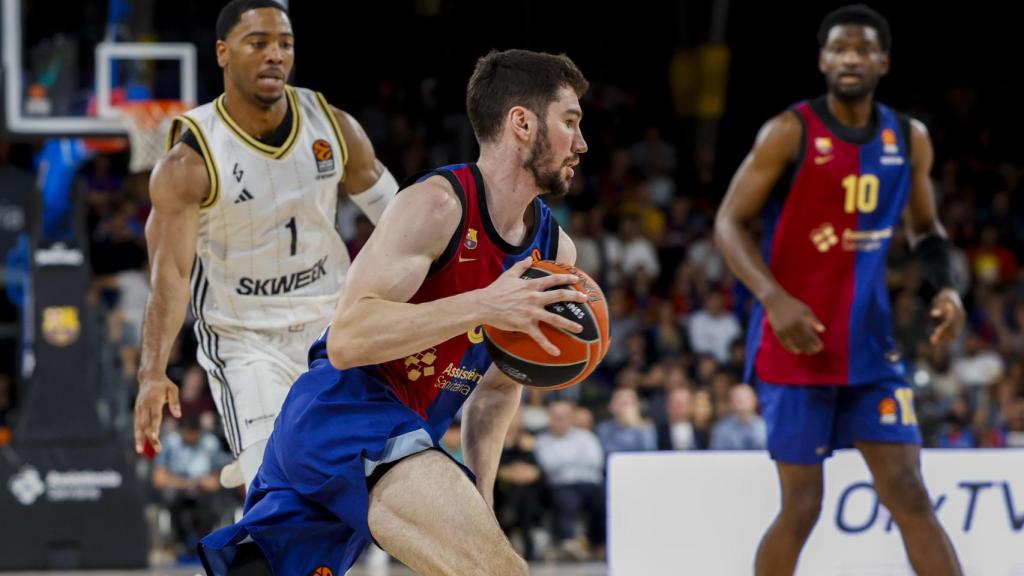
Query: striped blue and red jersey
x=826 y=239
x=435 y=382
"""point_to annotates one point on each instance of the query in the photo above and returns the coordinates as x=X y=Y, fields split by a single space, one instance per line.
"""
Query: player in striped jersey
x=244 y=206
x=820 y=345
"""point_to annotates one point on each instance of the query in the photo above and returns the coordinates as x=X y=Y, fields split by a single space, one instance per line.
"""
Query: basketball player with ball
x=354 y=456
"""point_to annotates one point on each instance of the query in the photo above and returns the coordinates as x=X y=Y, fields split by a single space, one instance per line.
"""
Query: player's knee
x=800 y=512
x=904 y=495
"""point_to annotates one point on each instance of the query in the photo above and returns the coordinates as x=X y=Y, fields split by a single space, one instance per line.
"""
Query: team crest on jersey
x=324 y=155
x=824 y=237
x=887 y=411
x=889 y=145
x=420 y=364
x=61 y=326
x=470 y=242
x=823 y=145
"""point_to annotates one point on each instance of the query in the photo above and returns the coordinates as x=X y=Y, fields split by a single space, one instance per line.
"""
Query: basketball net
x=148 y=123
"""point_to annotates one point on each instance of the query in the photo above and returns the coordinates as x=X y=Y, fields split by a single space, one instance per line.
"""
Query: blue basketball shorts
x=806 y=423
x=307 y=507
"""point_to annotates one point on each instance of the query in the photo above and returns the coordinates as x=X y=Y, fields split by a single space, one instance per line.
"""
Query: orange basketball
x=323 y=571
x=522 y=359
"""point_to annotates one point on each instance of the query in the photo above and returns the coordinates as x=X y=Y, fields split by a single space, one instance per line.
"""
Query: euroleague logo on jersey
x=889 y=142
x=324 y=155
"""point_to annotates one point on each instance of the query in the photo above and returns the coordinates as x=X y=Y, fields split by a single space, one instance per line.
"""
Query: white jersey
x=268 y=255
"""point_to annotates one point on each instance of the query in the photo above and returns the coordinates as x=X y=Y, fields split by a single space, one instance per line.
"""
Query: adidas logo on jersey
x=244 y=196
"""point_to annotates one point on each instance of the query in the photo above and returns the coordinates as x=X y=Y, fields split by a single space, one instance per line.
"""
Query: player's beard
x=550 y=181
x=853 y=94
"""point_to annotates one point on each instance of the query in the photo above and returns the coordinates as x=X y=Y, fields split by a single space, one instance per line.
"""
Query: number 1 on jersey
x=295 y=233
x=861 y=193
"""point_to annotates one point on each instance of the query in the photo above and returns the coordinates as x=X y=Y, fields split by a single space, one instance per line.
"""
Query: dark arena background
x=679 y=90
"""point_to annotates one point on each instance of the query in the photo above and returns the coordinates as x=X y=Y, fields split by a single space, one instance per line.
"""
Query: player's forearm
x=372 y=330
x=744 y=258
x=165 y=313
x=485 y=421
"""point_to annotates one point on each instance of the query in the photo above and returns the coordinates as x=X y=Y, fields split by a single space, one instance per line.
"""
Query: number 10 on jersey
x=861 y=193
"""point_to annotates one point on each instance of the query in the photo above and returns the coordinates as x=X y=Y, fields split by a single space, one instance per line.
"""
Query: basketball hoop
x=147 y=123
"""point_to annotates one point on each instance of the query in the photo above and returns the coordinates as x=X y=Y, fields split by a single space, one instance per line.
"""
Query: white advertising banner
x=703 y=513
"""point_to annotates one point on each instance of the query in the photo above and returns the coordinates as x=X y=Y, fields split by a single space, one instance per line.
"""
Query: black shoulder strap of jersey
x=553 y=236
x=189 y=139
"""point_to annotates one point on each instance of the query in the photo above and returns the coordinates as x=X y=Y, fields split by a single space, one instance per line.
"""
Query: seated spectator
x=704 y=370
x=187 y=476
x=721 y=387
x=626 y=430
x=737 y=358
x=713 y=328
x=637 y=355
x=519 y=487
x=704 y=256
x=934 y=369
x=533 y=412
x=654 y=381
x=677 y=432
x=743 y=428
x=667 y=334
x=978 y=368
x=703 y=419
x=676 y=377
x=573 y=462
x=583 y=418
x=630 y=251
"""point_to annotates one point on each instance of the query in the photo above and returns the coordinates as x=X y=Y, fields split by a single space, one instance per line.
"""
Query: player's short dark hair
x=857 y=14
x=232 y=12
x=502 y=80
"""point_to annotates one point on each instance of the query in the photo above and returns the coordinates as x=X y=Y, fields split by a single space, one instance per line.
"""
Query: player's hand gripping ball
x=522 y=359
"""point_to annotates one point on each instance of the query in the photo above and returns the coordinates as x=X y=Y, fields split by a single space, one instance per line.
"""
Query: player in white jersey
x=244 y=204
